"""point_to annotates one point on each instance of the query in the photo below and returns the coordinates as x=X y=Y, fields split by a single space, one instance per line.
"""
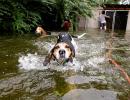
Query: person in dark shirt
x=66 y=25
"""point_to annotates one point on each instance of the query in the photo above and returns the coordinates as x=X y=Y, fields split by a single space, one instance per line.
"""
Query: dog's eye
x=67 y=46
x=56 y=47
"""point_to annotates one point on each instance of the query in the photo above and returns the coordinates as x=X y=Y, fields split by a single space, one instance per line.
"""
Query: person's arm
x=107 y=16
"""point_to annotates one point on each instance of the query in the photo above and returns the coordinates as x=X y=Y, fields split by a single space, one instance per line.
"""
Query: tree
x=102 y=2
x=15 y=17
x=21 y=16
x=70 y=9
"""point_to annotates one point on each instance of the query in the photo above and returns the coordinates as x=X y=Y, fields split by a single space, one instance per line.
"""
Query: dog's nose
x=61 y=52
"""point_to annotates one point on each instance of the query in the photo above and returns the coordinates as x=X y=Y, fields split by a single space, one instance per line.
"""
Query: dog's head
x=40 y=31
x=62 y=52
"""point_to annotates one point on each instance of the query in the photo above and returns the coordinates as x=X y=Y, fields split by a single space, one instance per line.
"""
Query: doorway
x=120 y=20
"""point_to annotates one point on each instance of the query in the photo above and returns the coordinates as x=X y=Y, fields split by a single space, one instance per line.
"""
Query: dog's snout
x=61 y=52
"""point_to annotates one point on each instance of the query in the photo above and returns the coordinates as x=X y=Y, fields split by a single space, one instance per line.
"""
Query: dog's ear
x=71 y=59
x=47 y=60
x=72 y=53
x=48 y=57
x=71 y=56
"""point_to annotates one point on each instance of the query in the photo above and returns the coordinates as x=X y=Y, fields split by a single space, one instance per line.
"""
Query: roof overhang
x=116 y=7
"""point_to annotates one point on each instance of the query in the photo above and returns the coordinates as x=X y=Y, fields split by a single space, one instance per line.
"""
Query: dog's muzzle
x=62 y=53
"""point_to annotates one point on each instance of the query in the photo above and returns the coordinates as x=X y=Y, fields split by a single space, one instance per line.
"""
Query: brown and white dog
x=63 y=51
x=41 y=32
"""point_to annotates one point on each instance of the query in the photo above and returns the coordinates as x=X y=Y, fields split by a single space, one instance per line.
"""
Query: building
x=121 y=14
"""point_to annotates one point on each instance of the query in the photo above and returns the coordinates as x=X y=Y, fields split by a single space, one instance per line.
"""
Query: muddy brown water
x=92 y=76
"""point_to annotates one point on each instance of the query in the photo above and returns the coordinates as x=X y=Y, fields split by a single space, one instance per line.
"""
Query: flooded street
x=93 y=76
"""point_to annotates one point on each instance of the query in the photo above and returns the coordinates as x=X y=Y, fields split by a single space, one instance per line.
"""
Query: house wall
x=127 y=35
x=92 y=22
x=82 y=23
x=128 y=23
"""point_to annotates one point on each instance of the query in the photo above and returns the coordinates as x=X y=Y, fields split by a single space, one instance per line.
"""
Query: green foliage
x=24 y=22
x=19 y=19
x=71 y=9
x=101 y=2
x=21 y=16
x=74 y=8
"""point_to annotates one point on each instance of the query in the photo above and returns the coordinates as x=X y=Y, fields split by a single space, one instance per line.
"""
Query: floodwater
x=91 y=77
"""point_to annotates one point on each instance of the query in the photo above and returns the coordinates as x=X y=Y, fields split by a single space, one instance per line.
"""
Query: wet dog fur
x=63 y=51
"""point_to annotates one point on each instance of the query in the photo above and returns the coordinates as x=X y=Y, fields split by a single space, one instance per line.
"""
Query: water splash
x=87 y=55
x=31 y=61
x=34 y=61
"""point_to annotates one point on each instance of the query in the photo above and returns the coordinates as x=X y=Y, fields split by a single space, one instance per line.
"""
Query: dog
x=41 y=32
x=64 y=50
